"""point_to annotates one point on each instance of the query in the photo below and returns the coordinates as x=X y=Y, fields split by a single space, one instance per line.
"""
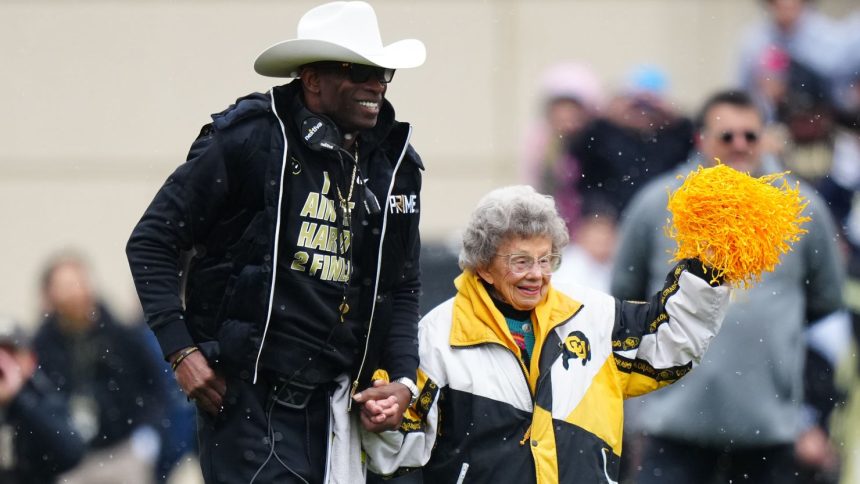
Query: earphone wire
x=270 y=432
x=346 y=216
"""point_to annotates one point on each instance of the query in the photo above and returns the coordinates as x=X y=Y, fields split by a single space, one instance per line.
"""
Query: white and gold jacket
x=484 y=416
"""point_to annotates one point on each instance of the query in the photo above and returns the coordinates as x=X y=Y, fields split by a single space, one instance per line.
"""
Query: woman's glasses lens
x=520 y=264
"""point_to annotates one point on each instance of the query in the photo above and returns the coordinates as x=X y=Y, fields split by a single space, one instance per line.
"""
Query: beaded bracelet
x=182 y=356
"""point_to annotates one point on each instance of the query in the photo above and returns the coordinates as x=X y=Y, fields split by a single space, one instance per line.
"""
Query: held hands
x=382 y=405
x=197 y=380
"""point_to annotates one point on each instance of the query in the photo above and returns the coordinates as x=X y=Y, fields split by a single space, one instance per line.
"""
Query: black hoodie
x=228 y=209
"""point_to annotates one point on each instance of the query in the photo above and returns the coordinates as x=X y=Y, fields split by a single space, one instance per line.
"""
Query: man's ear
x=310 y=80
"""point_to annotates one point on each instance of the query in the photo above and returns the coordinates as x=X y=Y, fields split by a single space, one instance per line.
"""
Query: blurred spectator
x=846 y=424
x=770 y=80
x=803 y=133
x=848 y=81
x=37 y=441
x=178 y=427
x=844 y=181
x=571 y=96
x=800 y=66
x=807 y=112
x=587 y=261
x=639 y=137
x=846 y=172
x=743 y=414
x=814 y=147
x=104 y=372
x=797 y=29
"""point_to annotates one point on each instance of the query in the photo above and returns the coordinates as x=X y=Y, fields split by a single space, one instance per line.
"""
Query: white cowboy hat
x=338 y=31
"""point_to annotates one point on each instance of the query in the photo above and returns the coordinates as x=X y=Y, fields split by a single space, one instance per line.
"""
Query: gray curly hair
x=515 y=211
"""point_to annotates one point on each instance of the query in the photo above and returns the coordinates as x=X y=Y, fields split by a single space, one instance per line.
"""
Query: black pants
x=676 y=462
x=255 y=439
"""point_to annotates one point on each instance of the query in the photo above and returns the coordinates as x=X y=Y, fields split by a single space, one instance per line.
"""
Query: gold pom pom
x=734 y=223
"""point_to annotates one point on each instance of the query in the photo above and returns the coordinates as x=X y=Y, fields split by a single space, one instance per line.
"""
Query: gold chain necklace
x=345 y=201
x=346 y=213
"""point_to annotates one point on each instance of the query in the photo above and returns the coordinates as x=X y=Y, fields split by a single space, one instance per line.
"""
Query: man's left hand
x=382 y=405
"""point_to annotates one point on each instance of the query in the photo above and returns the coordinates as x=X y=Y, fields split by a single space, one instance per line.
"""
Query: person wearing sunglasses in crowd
x=522 y=381
x=292 y=229
x=744 y=414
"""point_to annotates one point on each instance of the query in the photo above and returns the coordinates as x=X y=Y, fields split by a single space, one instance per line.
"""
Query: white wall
x=102 y=99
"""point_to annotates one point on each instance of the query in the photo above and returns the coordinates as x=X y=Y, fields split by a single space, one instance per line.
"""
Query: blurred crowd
x=596 y=146
x=87 y=399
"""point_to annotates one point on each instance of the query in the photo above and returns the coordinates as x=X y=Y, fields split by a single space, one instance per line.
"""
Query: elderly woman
x=521 y=381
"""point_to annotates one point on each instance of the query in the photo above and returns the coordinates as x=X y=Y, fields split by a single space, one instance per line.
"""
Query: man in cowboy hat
x=295 y=223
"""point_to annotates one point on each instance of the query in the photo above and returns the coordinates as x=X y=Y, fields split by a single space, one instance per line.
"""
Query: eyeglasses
x=520 y=264
x=728 y=137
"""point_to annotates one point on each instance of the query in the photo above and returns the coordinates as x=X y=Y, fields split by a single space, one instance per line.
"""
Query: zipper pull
x=351 y=393
x=527 y=435
x=343 y=309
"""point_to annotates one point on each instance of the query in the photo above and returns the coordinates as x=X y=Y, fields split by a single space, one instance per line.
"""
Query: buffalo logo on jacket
x=576 y=346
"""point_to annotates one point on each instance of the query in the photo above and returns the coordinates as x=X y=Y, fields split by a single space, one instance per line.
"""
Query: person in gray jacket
x=741 y=412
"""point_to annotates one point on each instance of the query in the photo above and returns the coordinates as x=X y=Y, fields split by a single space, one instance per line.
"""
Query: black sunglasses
x=359 y=73
x=728 y=136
